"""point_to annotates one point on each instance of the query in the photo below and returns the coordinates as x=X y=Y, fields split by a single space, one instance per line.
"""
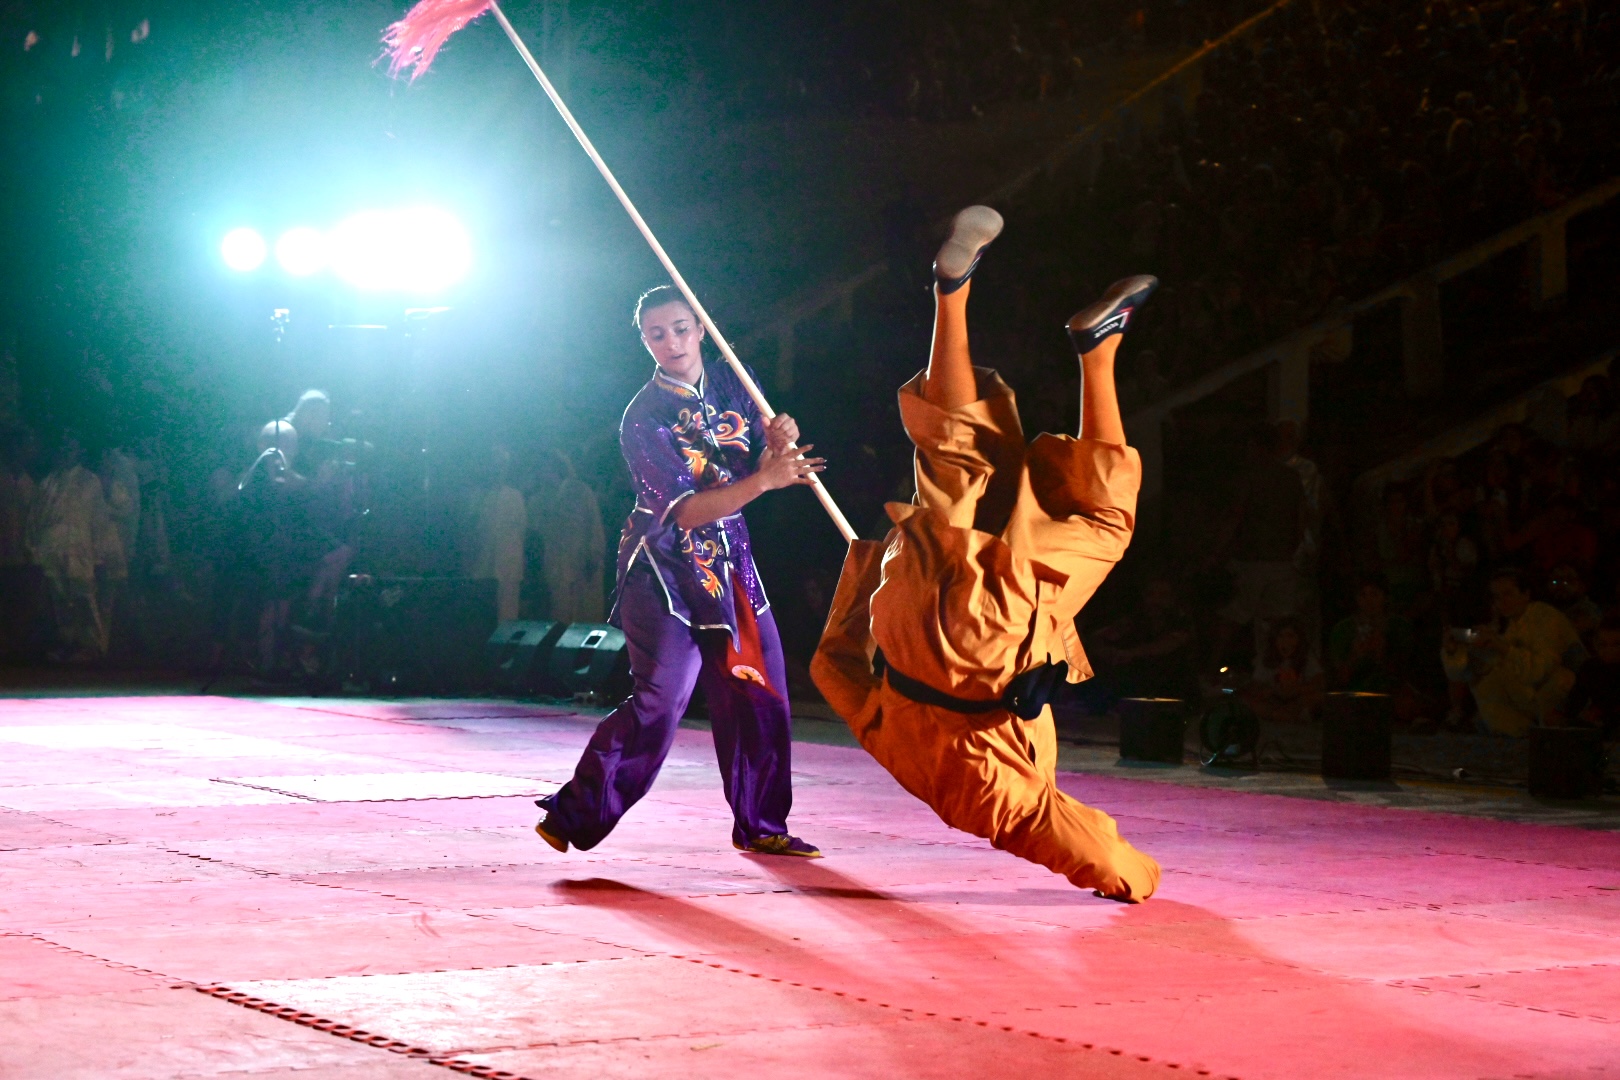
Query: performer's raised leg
x=950 y=382
x=1095 y=331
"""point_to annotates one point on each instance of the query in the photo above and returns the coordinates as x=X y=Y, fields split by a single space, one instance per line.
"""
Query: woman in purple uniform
x=689 y=598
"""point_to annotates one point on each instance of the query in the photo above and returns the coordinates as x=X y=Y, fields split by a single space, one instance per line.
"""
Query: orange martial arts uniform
x=977 y=583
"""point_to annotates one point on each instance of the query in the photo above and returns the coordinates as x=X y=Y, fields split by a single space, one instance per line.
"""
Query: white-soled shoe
x=972 y=230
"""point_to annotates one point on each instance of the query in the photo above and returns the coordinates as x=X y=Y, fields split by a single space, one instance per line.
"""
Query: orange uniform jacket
x=978 y=582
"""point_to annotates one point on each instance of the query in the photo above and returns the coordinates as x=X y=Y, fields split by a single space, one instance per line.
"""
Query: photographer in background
x=1520 y=666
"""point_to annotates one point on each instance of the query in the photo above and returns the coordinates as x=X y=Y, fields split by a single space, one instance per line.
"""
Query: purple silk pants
x=752 y=727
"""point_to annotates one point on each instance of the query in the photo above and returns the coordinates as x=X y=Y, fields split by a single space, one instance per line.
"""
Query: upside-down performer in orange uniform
x=946 y=640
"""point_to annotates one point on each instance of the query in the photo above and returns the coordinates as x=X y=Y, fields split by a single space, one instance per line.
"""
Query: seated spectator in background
x=1148 y=653
x=1288 y=682
x=1374 y=651
x=1371 y=650
x=71 y=537
x=1521 y=665
x=1567 y=591
x=1595 y=700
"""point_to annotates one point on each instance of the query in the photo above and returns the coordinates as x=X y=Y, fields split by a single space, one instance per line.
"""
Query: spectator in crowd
x=1307 y=559
x=1520 y=667
x=120 y=483
x=23 y=596
x=16 y=497
x=1288 y=682
x=1149 y=652
x=311 y=418
x=267 y=505
x=1566 y=589
x=499 y=523
x=1322 y=160
x=564 y=511
x=153 y=550
x=1401 y=551
x=1371 y=650
x=1453 y=566
x=71 y=537
x=1594 y=422
x=1262 y=541
x=1557 y=535
x=1499 y=502
x=1595 y=700
x=285 y=531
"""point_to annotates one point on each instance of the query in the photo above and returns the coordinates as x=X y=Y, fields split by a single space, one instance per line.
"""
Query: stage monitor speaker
x=1357 y=731
x=517 y=654
x=415 y=635
x=1566 y=762
x=1152 y=729
x=589 y=656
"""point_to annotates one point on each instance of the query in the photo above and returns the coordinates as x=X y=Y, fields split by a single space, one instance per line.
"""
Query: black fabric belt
x=1024 y=697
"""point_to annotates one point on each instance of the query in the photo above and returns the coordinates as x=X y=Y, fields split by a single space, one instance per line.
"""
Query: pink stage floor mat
x=338 y=890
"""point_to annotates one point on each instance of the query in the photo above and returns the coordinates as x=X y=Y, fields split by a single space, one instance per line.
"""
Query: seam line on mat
x=116 y=965
x=354 y=1034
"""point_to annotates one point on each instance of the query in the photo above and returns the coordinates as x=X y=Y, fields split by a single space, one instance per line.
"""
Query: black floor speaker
x=589 y=657
x=1357 y=731
x=415 y=635
x=1152 y=729
x=518 y=653
x=1566 y=762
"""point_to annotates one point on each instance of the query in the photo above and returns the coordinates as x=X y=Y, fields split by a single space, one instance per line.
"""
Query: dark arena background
x=277 y=695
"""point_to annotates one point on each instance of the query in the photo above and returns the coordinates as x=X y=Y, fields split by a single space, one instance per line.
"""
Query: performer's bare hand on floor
x=789 y=467
x=781 y=432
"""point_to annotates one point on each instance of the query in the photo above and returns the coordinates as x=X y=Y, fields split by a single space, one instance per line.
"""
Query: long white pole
x=718 y=338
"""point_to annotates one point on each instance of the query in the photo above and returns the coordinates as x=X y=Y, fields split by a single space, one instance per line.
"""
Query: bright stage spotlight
x=242 y=249
x=419 y=250
x=301 y=251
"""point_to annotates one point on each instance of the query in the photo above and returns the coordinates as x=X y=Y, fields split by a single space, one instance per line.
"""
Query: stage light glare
x=243 y=249
x=301 y=251
x=421 y=250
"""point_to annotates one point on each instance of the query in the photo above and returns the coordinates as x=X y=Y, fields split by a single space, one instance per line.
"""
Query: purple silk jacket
x=678 y=440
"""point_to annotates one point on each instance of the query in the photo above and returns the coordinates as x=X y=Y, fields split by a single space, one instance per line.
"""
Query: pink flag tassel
x=415 y=40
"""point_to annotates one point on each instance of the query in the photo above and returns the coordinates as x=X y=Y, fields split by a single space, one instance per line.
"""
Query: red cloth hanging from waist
x=745 y=653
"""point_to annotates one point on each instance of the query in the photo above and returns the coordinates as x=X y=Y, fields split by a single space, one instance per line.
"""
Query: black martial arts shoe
x=558 y=842
x=972 y=230
x=780 y=845
x=1110 y=315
